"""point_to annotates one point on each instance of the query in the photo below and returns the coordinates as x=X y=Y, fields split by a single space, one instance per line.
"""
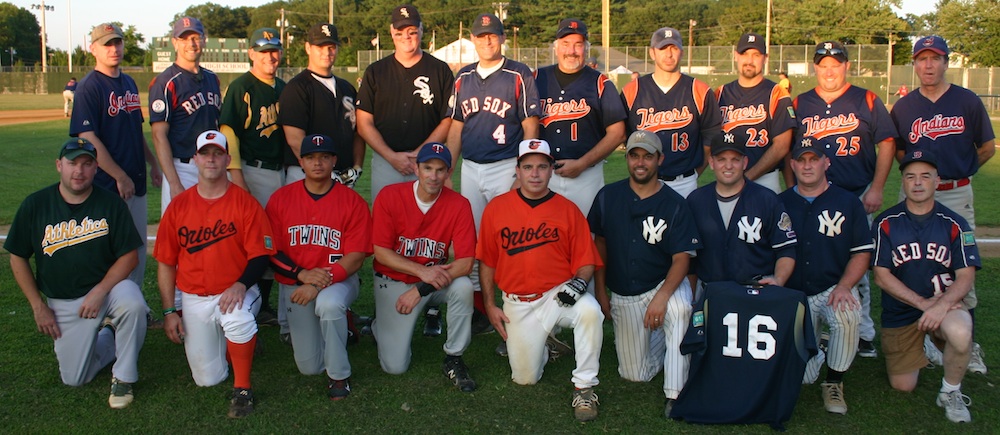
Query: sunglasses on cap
x=267 y=41
x=79 y=145
x=830 y=52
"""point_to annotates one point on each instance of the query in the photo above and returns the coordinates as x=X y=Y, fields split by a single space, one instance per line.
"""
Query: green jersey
x=250 y=108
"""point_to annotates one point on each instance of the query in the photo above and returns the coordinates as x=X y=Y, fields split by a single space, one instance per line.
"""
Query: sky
x=152 y=17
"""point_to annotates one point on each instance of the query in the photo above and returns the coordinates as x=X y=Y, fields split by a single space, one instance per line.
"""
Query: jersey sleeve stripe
x=863 y=248
x=777 y=93
x=601 y=81
x=788 y=242
x=700 y=90
x=870 y=98
x=630 y=91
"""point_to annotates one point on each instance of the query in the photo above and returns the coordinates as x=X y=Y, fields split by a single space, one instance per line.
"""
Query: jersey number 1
x=755 y=336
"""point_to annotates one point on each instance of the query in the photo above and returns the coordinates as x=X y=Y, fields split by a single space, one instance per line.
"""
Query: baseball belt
x=954 y=184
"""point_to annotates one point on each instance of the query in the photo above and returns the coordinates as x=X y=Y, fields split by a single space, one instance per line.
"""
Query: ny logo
x=749 y=232
x=653 y=233
x=806 y=142
x=751 y=38
x=326 y=29
x=404 y=12
x=830 y=226
x=729 y=138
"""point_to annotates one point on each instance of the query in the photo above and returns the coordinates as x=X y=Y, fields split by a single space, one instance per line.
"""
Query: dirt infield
x=11 y=117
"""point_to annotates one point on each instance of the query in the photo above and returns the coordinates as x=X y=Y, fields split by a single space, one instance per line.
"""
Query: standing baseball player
x=536 y=246
x=417 y=224
x=952 y=122
x=758 y=112
x=646 y=235
x=184 y=101
x=832 y=255
x=680 y=109
x=925 y=262
x=84 y=246
x=213 y=244
x=68 y=93
x=323 y=232
x=582 y=117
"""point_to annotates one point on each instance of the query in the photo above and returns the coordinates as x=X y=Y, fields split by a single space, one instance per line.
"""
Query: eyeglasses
x=830 y=52
x=267 y=41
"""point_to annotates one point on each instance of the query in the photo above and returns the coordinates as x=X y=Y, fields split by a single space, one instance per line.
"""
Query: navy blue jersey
x=307 y=103
x=828 y=231
x=110 y=107
x=759 y=233
x=189 y=102
x=953 y=128
x=685 y=118
x=492 y=110
x=755 y=115
x=923 y=253
x=642 y=235
x=574 y=119
x=848 y=131
x=749 y=350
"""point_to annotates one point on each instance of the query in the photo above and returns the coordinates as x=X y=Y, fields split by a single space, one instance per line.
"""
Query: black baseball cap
x=323 y=34
x=405 y=16
x=665 y=36
x=317 y=143
x=933 y=43
x=572 y=26
x=914 y=156
x=76 y=147
x=487 y=23
x=727 y=142
x=832 y=49
x=751 y=40
x=806 y=146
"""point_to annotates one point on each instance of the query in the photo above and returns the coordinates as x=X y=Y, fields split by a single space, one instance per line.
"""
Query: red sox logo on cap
x=486 y=20
x=437 y=148
x=108 y=28
x=918 y=154
x=317 y=140
x=187 y=22
x=572 y=24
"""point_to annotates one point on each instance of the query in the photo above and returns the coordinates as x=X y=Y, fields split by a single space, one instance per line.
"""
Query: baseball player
x=184 y=101
x=757 y=111
x=832 y=254
x=536 y=246
x=680 y=109
x=952 y=122
x=323 y=232
x=925 y=261
x=68 y=92
x=212 y=245
x=417 y=224
x=651 y=299
x=84 y=246
x=582 y=117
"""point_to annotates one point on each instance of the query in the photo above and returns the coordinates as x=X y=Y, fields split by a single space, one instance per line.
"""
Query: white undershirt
x=423 y=206
x=485 y=72
x=329 y=82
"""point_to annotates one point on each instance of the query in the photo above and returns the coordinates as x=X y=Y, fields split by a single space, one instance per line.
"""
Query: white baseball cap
x=212 y=137
x=534 y=146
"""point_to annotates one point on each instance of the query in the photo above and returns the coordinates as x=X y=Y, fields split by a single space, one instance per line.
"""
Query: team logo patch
x=404 y=12
x=698 y=319
x=486 y=20
x=753 y=292
x=159 y=106
x=968 y=238
x=423 y=89
x=326 y=29
x=652 y=229
x=791 y=112
x=268 y=244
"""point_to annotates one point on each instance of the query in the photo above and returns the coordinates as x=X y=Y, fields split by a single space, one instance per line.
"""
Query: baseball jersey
x=923 y=252
x=642 y=235
x=74 y=246
x=848 y=130
x=492 y=110
x=755 y=115
x=110 y=107
x=250 y=108
x=426 y=239
x=316 y=232
x=759 y=233
x=407 y=103
x=829 y=229
x=749 y=349
x=575 y=118
x=190 y=103
x=211 y=241
x=71 y=86
x=307 y=103
x=685 y=118
x=953 y=128
x=534 y=249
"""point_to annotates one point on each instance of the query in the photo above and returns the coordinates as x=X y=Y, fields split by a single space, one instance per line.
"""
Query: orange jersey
x=211 y=241
x=534 y=249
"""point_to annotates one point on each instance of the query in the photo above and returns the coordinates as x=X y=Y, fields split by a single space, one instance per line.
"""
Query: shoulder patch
x=968 y=238
x=159 y=106
x=791 y=112
x=268 y=243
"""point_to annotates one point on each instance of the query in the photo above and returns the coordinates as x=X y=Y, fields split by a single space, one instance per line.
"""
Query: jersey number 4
x=756 y=336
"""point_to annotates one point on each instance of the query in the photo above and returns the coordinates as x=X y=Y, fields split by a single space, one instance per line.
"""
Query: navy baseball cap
x=405 y=16
x=212 y=137
x=832 y=49
x=188 y=24
x=806 y=146
x=727 y=142
x=751 y=40
x=77 y=147
x=534 y=146
x=434 y=150
x=933 y=43
x=918 y=156
x=666 y=36
x=317 y=143
x=572 y=26
x=646 y=140
x=106 y=32
x=323 y=34
x=265 y=39
x=487 y=23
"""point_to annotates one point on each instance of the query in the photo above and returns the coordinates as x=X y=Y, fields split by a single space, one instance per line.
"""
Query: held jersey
x=250 y=108
x=749 y=350
x=953 y=128
x=685 y=118
x=848 y=130
x=492 y=110
x=828 y=230
x=923 y=253
x=642 y=235
x=73 y=247
x=534 y=249
x=574 y=119
x=401 y=226
x=211 y=241
x=318 y=232
x=110 y=107
x=755 y=115
x=189 y=102
x=306 y=103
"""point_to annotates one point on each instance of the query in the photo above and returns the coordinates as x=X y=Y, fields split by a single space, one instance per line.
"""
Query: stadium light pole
x=69 y=34
x=42 y=7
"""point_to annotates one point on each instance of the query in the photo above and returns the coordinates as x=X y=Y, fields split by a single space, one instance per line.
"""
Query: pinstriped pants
x=844 y=327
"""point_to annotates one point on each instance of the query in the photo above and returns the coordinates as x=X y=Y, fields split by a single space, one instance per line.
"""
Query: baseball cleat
x=267 y=318
x=432 y=322
x=481 y=324
x=285 y=338
x=585 y=404
x=866 y=349
x=152 y=323
x=933 y=354
x=833 y=397
x=956 y=406
x=241 y=405
x=669 y=407
x=976 y=363
x=502 y=349
x=121 y=394
x=557 y=348
x=824 y=341
x=456 y=370
x=338 y=389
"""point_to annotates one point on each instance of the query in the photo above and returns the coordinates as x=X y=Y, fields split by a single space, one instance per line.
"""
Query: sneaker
x=121 y=394
x=824 y=341
x=455 y=369
x=152 y=323
x=366 y=324
x=585 y=404
x=432 y=322
x=976 y=363
x=481 y=324
x=956 y=406
x=338 y=390
x=557 y=348
x=285 y=338
x=833 y=397
x=502 y=349
x=267 y=318
x=668 y=407
x=934 y=355
x=866 y=349
x=241 y=404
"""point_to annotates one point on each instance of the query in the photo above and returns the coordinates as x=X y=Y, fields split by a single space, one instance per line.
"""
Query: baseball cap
x=572 y=26
x=106 y=32
x=833 y=49
x=434 y=150
x=317 y=143
x=933 y=43
x=405 y=16
x=806 y=146
x=645 y=140
x=727 y=142
x=265 y=39
x=322 y=34
x=76 y=147
x=534 y=146
x=665 y=36
x=188 y=24
x=918 y=156
x=211 y=137
x=751 y=40
x=487 y=23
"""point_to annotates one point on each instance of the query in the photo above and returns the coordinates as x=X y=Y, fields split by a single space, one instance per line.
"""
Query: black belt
x=264 y=165
x=382 y=276
x=185 y=161
x=686 y=174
